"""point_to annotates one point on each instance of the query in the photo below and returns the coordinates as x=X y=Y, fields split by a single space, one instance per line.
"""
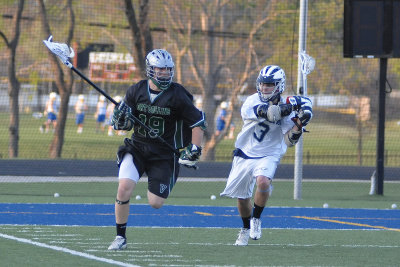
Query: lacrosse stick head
x=307 y=63
x=62 y=51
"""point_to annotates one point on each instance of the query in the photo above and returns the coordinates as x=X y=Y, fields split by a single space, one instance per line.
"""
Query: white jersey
x=259 y=137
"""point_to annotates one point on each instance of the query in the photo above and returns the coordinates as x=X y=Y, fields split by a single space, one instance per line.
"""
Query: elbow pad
x=272 y=113
x=292 y=137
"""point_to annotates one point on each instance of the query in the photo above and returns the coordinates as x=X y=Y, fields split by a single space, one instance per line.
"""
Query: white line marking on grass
x=66 y=250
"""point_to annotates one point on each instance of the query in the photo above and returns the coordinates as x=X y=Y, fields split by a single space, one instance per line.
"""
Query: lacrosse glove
x=122 y=118
x=305 y=116
x=190 y=155
x=299 y=102
x=303 y=106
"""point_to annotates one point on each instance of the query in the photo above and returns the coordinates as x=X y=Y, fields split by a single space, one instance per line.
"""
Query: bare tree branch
x=5 y=39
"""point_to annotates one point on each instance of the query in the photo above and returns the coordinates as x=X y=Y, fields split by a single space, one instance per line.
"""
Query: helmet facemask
x=160 y=68
x=270 y=96
x=271 y=75
x=161 y=78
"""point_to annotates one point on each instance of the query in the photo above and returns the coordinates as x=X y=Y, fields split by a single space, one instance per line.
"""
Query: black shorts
x=159 y=163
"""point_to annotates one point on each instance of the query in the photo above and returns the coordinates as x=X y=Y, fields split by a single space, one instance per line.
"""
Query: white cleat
x=255 y=228
x=243 y=237
x=119 y=243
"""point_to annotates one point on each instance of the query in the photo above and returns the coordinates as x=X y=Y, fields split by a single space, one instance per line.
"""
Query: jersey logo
x=162 y=188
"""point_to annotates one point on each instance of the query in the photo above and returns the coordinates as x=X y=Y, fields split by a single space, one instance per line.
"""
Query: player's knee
x=124 y=191
x=156 y=204
x=263 y=184
x=155 y=201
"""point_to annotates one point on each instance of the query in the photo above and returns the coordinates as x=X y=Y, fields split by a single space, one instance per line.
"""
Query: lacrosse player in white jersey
x=270 y=126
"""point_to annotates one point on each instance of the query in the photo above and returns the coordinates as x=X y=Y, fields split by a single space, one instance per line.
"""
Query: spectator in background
x=199 y=103
x=109 y=114
x=51 y=110
x=100 y=114
x=231 y=134
x=80 y=108
x=221 y=119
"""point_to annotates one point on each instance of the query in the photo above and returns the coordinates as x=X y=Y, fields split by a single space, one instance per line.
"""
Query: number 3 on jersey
x=155 y=123
x=262 y=132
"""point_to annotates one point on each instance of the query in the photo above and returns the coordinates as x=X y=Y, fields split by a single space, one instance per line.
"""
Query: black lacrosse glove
x=122 y=118
x=305 y=116
x=190 y=155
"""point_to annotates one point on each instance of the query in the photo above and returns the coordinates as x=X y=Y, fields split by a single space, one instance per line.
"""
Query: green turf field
x=315 y=194
x=37 y=245
x=77 y=246
x=87 y=246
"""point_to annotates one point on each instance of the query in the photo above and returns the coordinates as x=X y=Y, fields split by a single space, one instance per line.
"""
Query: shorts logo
x=162 y=188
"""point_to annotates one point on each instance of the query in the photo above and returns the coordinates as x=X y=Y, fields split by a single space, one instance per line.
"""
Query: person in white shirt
x=51 y=112
x=80 y=108
x=270 y=125
x=100 y=115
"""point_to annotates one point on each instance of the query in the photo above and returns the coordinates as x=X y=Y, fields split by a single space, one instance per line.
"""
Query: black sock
x=246 y=222
x=121 y=229
x=257 y=210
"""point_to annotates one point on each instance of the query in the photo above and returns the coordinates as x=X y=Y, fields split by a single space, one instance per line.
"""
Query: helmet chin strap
x=157 y=84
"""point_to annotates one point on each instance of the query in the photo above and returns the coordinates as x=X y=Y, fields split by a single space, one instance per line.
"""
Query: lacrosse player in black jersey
x=167 y=108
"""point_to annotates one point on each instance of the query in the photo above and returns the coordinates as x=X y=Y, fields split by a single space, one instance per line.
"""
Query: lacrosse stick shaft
x=101 y=91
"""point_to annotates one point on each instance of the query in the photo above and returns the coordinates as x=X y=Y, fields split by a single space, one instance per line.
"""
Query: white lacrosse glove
x=190 y=155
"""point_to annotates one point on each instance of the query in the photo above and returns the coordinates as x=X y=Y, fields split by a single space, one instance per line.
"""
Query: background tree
x=140 y=31
x=13 y=82
x=197 y=34
x=64 y=86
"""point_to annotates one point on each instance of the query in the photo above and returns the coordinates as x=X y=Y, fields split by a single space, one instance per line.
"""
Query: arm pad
x=292 y=137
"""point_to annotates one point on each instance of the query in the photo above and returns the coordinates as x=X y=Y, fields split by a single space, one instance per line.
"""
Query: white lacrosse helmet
x=161 y=59
x=271 y=74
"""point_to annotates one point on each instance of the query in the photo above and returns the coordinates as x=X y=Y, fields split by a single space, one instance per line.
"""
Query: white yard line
x=66 y=250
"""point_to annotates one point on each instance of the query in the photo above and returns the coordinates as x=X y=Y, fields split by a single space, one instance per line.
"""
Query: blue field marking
x=198 y=216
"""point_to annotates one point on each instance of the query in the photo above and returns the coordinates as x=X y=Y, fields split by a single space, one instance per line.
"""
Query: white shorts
x=127 y=169
x=242 y=178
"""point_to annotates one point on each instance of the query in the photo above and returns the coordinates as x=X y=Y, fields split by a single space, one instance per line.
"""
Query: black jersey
x=171 y=114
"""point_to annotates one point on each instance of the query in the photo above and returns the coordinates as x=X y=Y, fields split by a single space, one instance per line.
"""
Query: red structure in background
x=110 y=66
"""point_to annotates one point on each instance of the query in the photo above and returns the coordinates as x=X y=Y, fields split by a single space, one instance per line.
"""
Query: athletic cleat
x=243 y=237
x=119 y=243
x=255 y=228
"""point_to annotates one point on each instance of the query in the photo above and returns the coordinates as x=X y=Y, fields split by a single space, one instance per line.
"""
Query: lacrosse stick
x=64 y=53
x=307 y=66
